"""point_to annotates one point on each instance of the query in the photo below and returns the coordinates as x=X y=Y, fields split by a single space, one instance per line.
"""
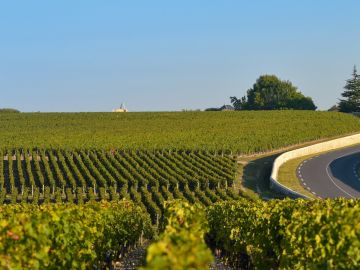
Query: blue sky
x=170 y=55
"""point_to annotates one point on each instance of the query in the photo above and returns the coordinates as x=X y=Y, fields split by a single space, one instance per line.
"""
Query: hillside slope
x=242 y=132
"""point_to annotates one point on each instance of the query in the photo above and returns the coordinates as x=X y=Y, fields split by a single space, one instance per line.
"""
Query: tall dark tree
x=351 y=95
x=271 y=93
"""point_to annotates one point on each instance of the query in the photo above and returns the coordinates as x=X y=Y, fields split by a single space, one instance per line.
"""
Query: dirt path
x=134 y=259
x=137 y=257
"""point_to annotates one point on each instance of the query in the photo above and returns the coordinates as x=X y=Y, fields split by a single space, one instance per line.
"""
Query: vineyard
x=242 y=132
x=97 y=184
x=288 y=234
x=148 y=178
x=59 y=236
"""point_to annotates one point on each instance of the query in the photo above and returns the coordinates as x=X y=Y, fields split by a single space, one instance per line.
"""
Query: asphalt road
x=332 y=174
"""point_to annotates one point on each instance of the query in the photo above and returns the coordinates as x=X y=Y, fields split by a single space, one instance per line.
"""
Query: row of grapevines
x=94 y=168
x=146 y=177
x=68 y=237
x=288 y=234
x=182 y=244
x=2 y=178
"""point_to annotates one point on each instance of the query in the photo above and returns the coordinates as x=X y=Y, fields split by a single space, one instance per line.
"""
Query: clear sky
x=155 y=55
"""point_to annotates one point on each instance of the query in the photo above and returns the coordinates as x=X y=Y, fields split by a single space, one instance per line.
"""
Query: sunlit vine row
x=147 y=177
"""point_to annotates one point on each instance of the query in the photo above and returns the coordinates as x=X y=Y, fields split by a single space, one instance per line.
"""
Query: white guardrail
x=308 y=150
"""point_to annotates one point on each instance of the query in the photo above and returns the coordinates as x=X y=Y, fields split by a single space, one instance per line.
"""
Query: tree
x=271 y=93
x=351 y=103
x=8 y=110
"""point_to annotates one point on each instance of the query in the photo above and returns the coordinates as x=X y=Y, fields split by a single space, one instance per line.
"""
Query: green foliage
x=241 y=132
x=67 y=236
x=259 y=234
x=270 y=93
x=289 y=234
x=351 y=103
x=93 y=175
x=323 y=235
x=182 y=244
x=8 y=110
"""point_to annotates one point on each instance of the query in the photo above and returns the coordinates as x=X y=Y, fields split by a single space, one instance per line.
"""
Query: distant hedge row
x=8 y=110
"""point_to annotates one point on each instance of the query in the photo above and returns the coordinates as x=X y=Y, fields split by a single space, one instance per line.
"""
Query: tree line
x=8 y=110
x=271 y=93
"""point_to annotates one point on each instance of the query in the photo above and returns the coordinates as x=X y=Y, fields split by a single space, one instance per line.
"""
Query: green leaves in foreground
x=288 y=234
x=67 y=236
x=182 y=244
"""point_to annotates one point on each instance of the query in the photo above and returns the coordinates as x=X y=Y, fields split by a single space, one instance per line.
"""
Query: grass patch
x=255 y=176
x=287 y=175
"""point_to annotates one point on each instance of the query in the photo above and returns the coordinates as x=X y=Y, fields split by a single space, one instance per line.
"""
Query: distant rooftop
x=227 y=108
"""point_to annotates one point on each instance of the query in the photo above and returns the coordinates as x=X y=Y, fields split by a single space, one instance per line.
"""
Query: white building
x=121 y=109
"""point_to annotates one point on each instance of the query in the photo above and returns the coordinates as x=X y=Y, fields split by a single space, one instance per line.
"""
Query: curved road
x=332 y=174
